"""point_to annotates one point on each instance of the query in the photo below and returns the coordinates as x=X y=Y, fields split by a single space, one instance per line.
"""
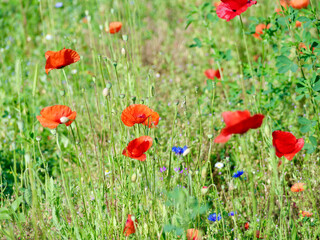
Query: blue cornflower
x=213 y=217
x=231 y=214
x=179 y=150
x=58 y=5
x=238 y=174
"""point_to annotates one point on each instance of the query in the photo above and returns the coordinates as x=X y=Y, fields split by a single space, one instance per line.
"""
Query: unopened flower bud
x=122 y=96
x=106 y=92
x=38 y=138
x=134 y=177
x=64 y=120
x=204 y=172
x=133 y=98
x=204 y=190
x=125 y=38
x=210 y=136
x=186 y=152
x=62 y=93
x=196 y=89
x=123 y=51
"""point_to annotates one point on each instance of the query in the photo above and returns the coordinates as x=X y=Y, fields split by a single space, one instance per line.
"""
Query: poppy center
x=141 y=116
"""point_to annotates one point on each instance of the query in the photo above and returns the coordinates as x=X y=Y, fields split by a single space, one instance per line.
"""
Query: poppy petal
x=152 y=120
x=232 y=118
x=54 y=113
x=72 y=117
x=129 y=226
x=243 y=126
x=137 y=147
x=115 y=27
x=299 y=145
x=222 y=138
x=284 y=142
x=47 y=123
x=60 y=59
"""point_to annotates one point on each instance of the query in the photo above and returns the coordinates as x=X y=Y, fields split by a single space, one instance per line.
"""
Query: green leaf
x=284 y=64
x=16 y=203
x=313 y=140
x=303 y=121
x=305 y=128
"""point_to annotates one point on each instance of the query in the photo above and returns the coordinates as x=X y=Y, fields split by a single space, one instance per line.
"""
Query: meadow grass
x=74 y=182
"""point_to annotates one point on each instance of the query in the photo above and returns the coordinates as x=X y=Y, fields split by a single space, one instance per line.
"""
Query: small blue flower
x=179 y=150
x=58 y=5
x=231 y=214
x=238 y=174
x=213 y=217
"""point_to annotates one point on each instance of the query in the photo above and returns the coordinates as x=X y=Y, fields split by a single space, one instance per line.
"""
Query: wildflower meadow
x=160 y=119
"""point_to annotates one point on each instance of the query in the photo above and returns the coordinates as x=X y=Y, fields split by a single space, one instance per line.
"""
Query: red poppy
x=298 y=4
x=297 y=187
x=52 y=116
x=238 y=122
x=211 y=73
x=139 y=113
x=193 y=234
x=298 y=24
x=306 y=214
x=115 y=27
x=286 y=144
x=229 y=9
x=60 y=59
x=129 y=227
x=246 y=226
x=259 y=30
x=137 y=147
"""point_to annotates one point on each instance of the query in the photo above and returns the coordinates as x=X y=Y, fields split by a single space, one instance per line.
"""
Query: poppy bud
x=246 y=225
x=105 y=92
x=27 y=158
x=196 y=89
x=125 y=38
x=38 y=138
x=210 y=136
x=134 y=177
x=133 y=98
x=122 y=96
x=176 y=102
x=62 y=93
x=186 y=152
x=64 y=120
x=204 y=190
x=115 y=64
x=204 y=172
x=142 y=101
x=123 y=51
x=109 y=85
x=152 y=91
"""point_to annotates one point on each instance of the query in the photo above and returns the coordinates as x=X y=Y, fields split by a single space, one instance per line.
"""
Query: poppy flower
x=211 y=74
x=297 y=187
x=306 y=214
x=193 y=234
x=139 y=113
x=229 y=9
x=137 y=147
x=298 y=24
x=60 y=59
x=238 y=122
x=259 y=30
x=129 y=227
x=298 y=4
x=284 y=4
x=115 y=27
x=52 y=116
x=286 y=144
x=246 y=226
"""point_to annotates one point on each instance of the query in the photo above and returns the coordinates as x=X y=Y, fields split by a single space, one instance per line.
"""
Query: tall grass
x=74 y=182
